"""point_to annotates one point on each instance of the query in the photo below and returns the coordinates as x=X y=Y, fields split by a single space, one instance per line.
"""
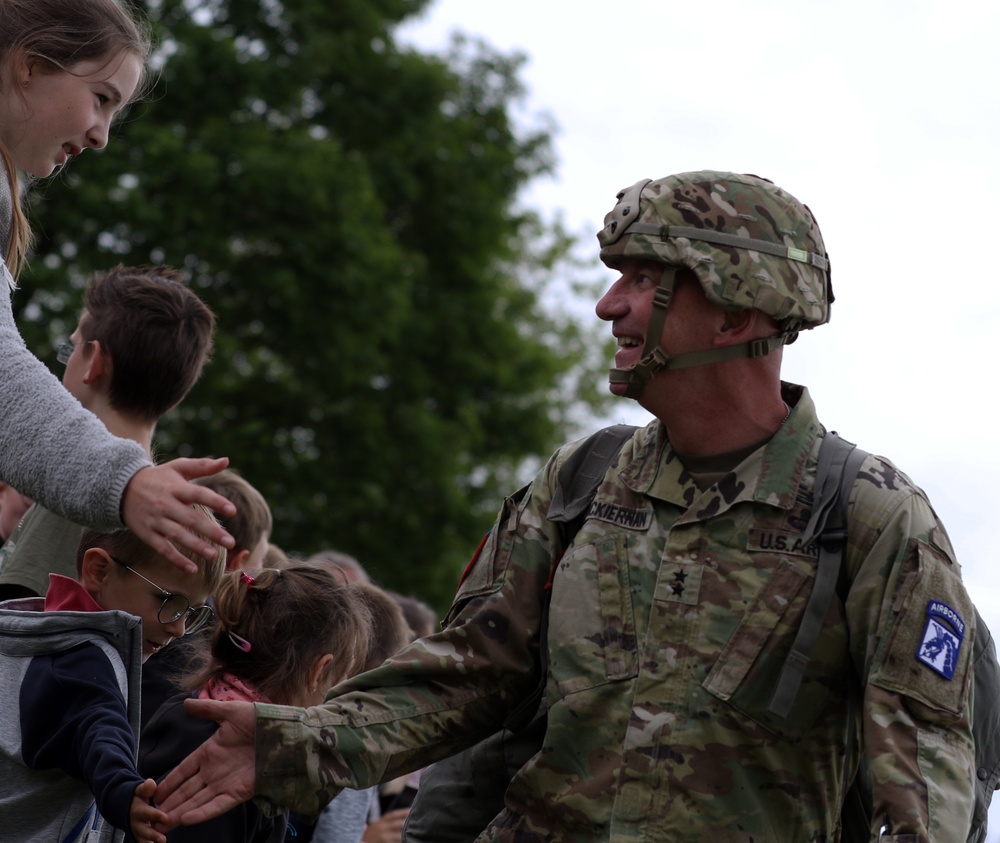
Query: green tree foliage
x=348 y=207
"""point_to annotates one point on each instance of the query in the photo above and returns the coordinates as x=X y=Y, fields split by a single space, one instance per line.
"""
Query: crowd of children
x=93 y=695
x=93 y=692
x=99 y=715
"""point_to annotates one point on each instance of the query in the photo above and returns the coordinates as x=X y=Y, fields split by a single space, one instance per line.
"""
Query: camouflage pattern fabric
x=719 y=225
x=671 y=613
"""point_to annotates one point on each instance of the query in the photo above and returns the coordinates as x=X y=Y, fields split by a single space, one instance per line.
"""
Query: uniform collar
x=772 y=474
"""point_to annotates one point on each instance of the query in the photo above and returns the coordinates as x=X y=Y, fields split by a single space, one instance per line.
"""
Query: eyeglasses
x=65 y=350
x=175 y=606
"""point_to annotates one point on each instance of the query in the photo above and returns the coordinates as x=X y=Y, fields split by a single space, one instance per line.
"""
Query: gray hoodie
x=48 y=804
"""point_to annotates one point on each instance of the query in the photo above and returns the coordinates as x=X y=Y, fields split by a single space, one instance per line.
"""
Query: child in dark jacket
x=282 y=636
x=69 y=678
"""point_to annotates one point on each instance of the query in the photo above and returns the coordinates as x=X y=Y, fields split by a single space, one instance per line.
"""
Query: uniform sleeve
x=912 y=628
x=438 y=696
x=51 y=448
x=74 y=718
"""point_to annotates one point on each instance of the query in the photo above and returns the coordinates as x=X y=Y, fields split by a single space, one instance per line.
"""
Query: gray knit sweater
x=51 y=448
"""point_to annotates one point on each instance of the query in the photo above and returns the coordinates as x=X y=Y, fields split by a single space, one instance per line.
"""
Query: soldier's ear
x=736 y=326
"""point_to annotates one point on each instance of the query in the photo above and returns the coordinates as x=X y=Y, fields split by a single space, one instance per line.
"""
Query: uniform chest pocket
x=748 y=668
x=591 y=637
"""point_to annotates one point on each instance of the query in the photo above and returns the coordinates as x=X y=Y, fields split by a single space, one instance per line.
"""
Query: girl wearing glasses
x=282 y=636
x=70 y=675
x=67 y=69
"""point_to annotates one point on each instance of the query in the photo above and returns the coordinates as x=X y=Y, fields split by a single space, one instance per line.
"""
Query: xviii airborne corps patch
x=942 y=639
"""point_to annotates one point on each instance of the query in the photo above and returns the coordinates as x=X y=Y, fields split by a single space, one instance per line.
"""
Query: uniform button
x=983 y=774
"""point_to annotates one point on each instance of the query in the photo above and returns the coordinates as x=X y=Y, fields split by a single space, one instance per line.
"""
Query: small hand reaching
x=142 y=815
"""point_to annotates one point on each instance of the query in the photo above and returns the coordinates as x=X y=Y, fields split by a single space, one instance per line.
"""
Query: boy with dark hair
x=69 y=678
x=141 y=343
x=154 y=330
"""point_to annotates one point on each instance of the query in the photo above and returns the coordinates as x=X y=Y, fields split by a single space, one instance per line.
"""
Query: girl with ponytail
x=282 y=636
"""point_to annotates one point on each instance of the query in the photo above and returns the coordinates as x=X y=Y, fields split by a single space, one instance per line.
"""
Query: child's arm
x=74 y=718
x=143 y=815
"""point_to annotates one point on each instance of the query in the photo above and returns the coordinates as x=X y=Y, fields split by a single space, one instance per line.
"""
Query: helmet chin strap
x=655 y=358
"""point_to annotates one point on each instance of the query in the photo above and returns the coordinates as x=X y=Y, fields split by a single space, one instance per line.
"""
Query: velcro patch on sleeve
x=926 y=652
x=487 y=569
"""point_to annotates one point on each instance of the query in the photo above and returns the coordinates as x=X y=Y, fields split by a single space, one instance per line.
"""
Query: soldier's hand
x=217 y=776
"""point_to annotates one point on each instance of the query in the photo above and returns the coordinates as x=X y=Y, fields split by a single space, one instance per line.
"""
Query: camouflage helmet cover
x=749 y=243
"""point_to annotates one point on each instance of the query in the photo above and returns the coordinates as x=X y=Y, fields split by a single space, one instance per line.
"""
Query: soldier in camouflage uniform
x=674 y=606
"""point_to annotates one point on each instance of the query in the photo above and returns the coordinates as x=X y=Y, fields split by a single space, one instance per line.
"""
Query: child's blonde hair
x=125 y=546
x=253 y=520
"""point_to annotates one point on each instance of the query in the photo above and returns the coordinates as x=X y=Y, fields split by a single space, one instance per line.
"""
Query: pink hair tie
x=239 y=642
x=246 y=578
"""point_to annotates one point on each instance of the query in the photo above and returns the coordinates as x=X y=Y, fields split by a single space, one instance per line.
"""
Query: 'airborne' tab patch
x=942 y=639
x=776 y=541
x=622 y=516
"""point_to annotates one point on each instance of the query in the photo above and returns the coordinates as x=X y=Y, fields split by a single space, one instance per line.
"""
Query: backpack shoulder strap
x=985 y=727
x=582 y=472
x=577 y=481
x=836 y=470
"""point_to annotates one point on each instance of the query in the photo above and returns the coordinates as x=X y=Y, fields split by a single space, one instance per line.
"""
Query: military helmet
x=749 y=243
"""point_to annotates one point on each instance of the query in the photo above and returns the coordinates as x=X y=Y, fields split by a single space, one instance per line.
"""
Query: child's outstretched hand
x=142 y=815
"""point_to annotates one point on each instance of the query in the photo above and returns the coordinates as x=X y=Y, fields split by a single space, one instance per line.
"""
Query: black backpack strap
x=476 y=778
x=985 y=726
x=581 y=473
x=576 y=483
x=836 y=470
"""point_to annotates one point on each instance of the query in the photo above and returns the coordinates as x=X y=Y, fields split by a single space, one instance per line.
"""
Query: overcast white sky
x=883 y=117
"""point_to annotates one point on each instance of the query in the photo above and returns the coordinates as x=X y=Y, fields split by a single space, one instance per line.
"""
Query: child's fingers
x=145 y=815
x=143 y=832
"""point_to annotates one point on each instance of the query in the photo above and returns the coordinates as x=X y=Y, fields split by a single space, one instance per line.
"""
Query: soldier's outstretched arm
x=219 y=774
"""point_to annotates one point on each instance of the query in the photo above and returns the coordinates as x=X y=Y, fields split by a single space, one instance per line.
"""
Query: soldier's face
x=691 y=323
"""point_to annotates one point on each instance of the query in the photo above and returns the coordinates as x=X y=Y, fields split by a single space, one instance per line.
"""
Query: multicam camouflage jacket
x=671 y=612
